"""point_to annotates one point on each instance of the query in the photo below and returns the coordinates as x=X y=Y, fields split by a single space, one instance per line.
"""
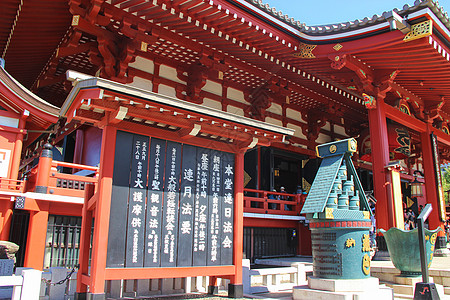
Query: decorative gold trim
x=366 y=264
x=419 y=31
x=352 y=145
x=144 y=46
x=333 y=148
x=305 y=51
x=366 y=215
x=365 y=243
x=338 y=47
x=350 y=243
x=75 y=20
x=329 y=213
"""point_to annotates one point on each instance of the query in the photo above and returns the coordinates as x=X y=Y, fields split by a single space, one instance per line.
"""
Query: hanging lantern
x=398 y=139
x=416 y=186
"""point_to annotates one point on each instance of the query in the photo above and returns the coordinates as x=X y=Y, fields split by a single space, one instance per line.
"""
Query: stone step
x=400 y=288
x=403 y=296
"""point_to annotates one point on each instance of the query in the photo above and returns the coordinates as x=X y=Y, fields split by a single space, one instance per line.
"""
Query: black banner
x=169 y=240
x=119 y=201
x=226 y=250
x=187 y=195
x=136 y=204
x=201 y=207
x=215 y=201
x=152 y=257
x=181 y=214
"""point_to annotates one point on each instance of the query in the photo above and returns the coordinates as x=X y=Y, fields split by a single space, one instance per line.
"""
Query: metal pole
x=423 y=254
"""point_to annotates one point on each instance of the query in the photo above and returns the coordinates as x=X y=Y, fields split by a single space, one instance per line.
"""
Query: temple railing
x=11 y=185
x=266 y=202
x=62 y=183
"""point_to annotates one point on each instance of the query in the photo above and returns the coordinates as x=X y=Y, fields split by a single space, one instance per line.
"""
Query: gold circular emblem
x=333 y=148
x=433 y=238
x=366 y=264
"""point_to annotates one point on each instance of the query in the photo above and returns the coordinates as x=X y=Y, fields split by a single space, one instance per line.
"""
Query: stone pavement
x=439 y=263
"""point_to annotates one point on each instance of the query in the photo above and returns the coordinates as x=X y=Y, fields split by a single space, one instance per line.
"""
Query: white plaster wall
x=7 y=121
x=169 y=73
x=340 y=130
x=142 y=83
x=236 y=95
x=143 y=64
x=293 y=114
x=298 y=130
x=323 y=138
x=274 y=121
x=235 y=110
x=212 y=103
x=213 y=87
x=167 y=90
x=276 y=109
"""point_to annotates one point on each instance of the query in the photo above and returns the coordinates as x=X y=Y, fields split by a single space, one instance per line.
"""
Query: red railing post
x=44 y=169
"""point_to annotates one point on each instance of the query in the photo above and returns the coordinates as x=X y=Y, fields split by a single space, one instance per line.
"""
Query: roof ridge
x=355 y=24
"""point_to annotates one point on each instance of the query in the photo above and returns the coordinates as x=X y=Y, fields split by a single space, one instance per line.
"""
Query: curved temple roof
x=349 y=26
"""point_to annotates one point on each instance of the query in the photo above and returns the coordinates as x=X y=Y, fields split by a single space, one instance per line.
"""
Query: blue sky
x=322 y=12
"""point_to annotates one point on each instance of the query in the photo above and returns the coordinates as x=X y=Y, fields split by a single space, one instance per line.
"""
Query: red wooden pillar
x=17 y=152
x=7 y=207
x=102 y=210
x=434 y=220
x=380 y=159
x=37 y=233
x=44 y=168
x=85 y=238
x=235 y=288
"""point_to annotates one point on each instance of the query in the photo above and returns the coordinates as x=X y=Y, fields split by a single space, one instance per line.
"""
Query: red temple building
x=118 y=118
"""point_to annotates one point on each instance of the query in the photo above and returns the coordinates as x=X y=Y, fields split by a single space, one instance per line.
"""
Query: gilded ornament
x=419 y=31
x=366 y=264
x=329 y=213
x=305 y=51
x=75 y=20
x=433 y=238
x=366 y=215
x=353 y=145
x=365 y=243
x=144 y=46
x=333 y=148
x=337 y=47
x=350 y=243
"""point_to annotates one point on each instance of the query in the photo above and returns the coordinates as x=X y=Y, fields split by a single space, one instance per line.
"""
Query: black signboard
x=181 y=214
x=187 y=195
x=136 y=203
x=153 y=222
x=215 y=201
x=201 y=207
x=119 y=200
x=169 y=240
x=226 y=242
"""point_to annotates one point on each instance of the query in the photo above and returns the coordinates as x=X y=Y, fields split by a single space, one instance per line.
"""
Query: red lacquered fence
x=266 y=202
